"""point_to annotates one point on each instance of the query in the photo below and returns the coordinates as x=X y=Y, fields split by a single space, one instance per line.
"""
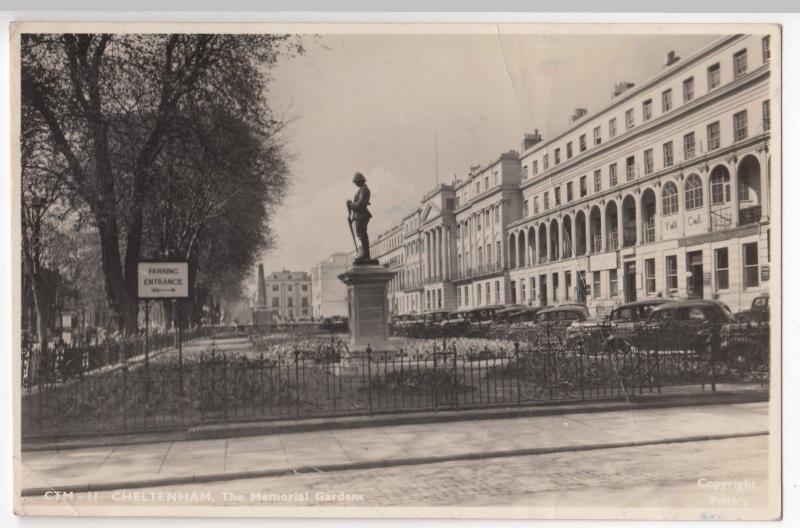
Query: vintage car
x=456 y=323
x=758 y=311
x=561 y=316
x=551 y=324
x=525 y=316
x=700 y=326
x=483 y=316
x=503 y=316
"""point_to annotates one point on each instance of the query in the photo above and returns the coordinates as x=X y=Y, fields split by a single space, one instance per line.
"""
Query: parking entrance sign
x=163 y=280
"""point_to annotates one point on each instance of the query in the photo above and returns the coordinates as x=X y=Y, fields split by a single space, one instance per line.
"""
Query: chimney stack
x=579 y=113
x=671 y=59
x=530 y=140
x=622 y=87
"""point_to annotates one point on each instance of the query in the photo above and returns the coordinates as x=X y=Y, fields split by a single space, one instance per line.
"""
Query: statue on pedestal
x=360 y=215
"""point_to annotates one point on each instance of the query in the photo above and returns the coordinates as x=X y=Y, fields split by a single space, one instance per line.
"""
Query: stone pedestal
x=368 y=307
x=263 y=316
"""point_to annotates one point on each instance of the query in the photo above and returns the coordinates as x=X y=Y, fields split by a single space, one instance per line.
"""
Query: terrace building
x=411 y=274
x=487 y=200
x=667 y=195
x=664 y=192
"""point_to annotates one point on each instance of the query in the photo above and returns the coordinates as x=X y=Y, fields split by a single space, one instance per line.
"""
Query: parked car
x=633 y=314
x=561 y=316
x=456 y=323
x=552 y=323
x=758 y=311
x=504 y=314
x=525 y=316
x=483 y=316
x=693 y=325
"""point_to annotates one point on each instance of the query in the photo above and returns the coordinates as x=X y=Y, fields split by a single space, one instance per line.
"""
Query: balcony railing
x=481 y=269
x=650 y=232
x=411 y=285
x=433 y=278
x=597 y=244
x=613 y=240
x=629 y=236
x=750 y=215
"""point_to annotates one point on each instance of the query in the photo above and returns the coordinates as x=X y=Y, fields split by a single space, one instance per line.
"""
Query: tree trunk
x=123 y=308
x=41 y=328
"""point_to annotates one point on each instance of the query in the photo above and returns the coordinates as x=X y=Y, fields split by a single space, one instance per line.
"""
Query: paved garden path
x=228 y=459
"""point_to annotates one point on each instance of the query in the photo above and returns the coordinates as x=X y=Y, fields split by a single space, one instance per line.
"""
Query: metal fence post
x=715 y=346
x=518 y=368
x=224 y=385
x=369 y=377
x=297 y=379
x=455 y=377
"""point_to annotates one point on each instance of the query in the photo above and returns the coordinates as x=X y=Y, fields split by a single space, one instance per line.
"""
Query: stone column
x=637 y=203
x=681 y=216
x=427 y=261
x=437 y=253
x=572 y=244
x=730 y=164
x=587 y=219
x=603 y=234
x=657 y=210
x=764 y=201
x=440 y=236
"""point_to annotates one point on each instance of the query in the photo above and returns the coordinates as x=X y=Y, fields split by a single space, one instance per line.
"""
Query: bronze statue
x=359 y=214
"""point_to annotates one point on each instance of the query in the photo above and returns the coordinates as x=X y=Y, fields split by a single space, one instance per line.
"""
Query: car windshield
x=622 y=314
x=760 y=302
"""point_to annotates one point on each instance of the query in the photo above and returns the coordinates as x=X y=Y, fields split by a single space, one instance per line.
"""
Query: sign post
x=146 y=332
x=166 y=280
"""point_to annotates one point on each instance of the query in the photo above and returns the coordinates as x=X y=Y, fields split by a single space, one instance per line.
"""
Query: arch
x=521 y=248
x=566 y=237
x=669 y=199
x=748 y=176
x=542 y=242
x=512 y=251
x=554 y=238
x=648 y=212
x=595 y=230
x=693 y=192
x=720 y=185
x=580 y=233
x=629 y=221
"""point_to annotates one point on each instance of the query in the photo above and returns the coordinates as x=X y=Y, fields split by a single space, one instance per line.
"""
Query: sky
x=379 y=104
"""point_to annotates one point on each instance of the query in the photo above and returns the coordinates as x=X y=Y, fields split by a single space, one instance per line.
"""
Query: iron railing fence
x=320 y=377
x=63 y=361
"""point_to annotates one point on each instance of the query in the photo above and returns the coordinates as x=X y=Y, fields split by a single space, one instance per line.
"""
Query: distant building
x=328 y=293
x=289 y=293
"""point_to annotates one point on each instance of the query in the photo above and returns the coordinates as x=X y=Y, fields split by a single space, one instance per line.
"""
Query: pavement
x=228 y=459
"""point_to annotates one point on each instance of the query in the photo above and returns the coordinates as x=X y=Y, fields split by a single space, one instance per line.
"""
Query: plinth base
x=368 y=307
